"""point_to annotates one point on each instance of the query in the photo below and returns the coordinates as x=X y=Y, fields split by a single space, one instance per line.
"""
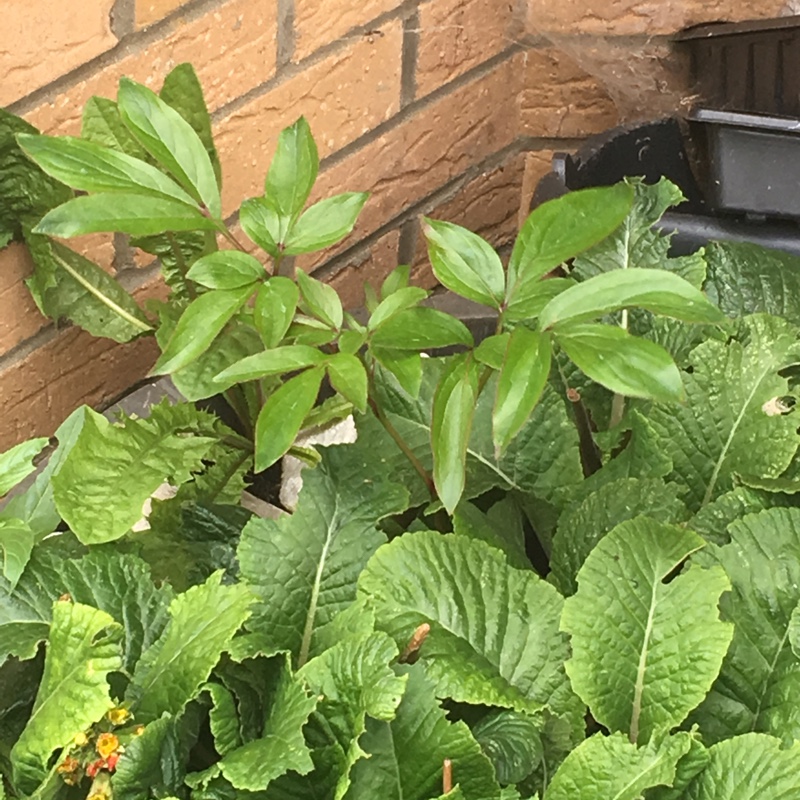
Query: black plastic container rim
x=739 y=119
x=726 y=29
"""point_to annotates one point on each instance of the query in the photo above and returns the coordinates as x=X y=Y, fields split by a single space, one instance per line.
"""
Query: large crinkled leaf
x=494 y=636
x=406 y=755
x=303 y=568
x=202 y=624
x=119 y=585
x=543 y=459
x=65 y=285
x=113 y=469
x=354 y=680
x=513 y=743
x=689 y=767
x=174 y=252
x=723 y=429
x=582 y=526
x=502 y=527
x=748 y=767
x=636 y=243
x=758 y=687
x=611 y=768
x=223 y=718
x=645 y=651
x=84 y=647
x=281 y=747
x=746 y=278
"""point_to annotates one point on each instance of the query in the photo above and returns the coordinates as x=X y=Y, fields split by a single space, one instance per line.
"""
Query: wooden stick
x=447 y=776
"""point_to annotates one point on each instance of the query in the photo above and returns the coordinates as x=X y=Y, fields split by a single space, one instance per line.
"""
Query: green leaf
x=226 y=269
x=465 y=263
x=349 y=377
x=637 y=242
x=513 y=743
x=170 y=139
x=282 y=747
x=760 y=674
x=689 y=766
x=399 y=300
x=623 y=363
x=325 y=223
x=173 y=670
x=525 y=370
x=92 y=168
x=746 y=278
x=174 y=251
x=397 y=279
x=223 y=719
x=182 y=91
x=655 y=290
x=722 y=430
x=494 y=636
x=406 y=754
x=421 y=329
x=289 y=358
x=500 y=527
x=17 y=463
x=492 y=350
x=537 y=295
x=451 y=424
x=102 y=124
x=645 y=652
x=560 y=229
x=83 y=649
x=405 y=367
x=65 y=285
x=583 y=525
x=303 y=568
x=201 y=323
x=748 y=767
x=136 y=214
x=16 y=544
x=281 y=417
x=261 y=221
x=293 y=172
x=96 y=491
x=614 y=769
x=275 y=306
x=320 y=300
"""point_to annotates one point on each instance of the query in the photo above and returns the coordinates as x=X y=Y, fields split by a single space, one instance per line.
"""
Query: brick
x=369 y=265
x=232 y=49
x=537 y=165
x=343 y=97
x=41 y=40
x=428 y=149
x=19 y=317
x=97 y=247
x=650 y=17
x=559 y=99
x=456 y=35
x=150 y=11
x=319 y=22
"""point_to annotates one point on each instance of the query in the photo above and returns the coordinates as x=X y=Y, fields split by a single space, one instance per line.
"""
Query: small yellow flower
x=70 y=771
x=107 y=743
x=138 y=730
x=81 y=739
x=118 y=716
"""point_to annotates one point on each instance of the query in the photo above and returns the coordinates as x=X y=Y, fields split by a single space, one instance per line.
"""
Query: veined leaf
x=274 y=309
x=421 y=328
x=101 y=123
x=173 y=670
x=95 y=490
x=349 y=377
x=320 y=300
x=171 y=140
x=652 y=289
x=614 y=769
x=689 y=767
x=17 y=463
x=513 y=743
x=108 y=212
x=293 y=171
x=226 y=269
x=720 y=430
x=465 y=263
x=760 y=674
x=501 y=527
x=645 y=652
x=325 y=223
x=276 y=361
x=494 y=636
x=89 y=167
x=303 y=568
x=400 y=300
x=261 y=221
x=404 y=366
x=407 y=753
x=16 y=544
x=83 y=649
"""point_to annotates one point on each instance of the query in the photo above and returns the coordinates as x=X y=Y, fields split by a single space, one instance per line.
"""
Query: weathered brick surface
x=456 y=35
x=19 y=317
x=232 y=49
x=41 y=40
x=369 y=265
x=650 y=17
x=150 y=11
x=559 y=99
x=344 y=96
x=537 y=165
x=319 y=22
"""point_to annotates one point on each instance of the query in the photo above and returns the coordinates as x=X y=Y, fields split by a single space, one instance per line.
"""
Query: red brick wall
x=445 y=107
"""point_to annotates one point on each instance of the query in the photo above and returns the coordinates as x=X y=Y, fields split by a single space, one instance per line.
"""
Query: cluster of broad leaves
x=628 y=631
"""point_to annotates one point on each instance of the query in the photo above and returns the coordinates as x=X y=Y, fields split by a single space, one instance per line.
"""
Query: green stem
x=225 y=231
